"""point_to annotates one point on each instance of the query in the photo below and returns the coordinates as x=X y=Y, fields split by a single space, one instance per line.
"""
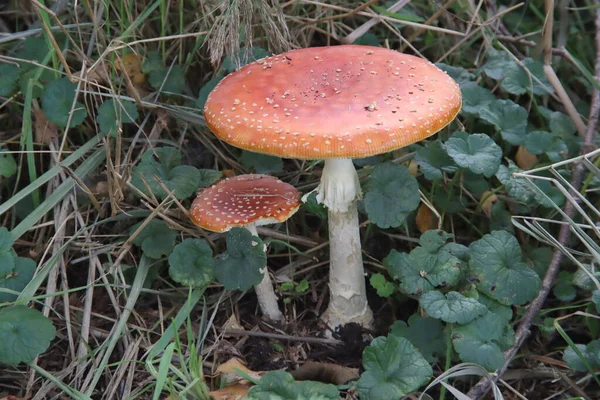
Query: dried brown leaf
x=426 y=219
x=325 y=372
x=524 y=159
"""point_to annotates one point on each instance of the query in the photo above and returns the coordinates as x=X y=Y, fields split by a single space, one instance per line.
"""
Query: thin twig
x=523 y=331
x=236 y=332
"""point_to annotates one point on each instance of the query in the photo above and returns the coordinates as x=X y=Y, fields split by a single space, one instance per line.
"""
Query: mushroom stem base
x=348 y=299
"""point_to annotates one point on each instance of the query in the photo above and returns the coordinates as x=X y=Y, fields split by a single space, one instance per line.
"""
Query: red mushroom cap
x=325 y=102
x=243 y=200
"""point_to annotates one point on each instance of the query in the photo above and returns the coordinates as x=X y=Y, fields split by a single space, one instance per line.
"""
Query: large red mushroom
x=334 y=103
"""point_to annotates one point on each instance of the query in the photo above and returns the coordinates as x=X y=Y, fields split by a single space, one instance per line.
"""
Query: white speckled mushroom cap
x=324 y=102
x=243 y=200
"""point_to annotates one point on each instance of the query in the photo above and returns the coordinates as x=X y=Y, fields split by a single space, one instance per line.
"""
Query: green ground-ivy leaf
x=261 y=163
x=240 y=267
x=475 y=98
x=510 y=120
x=451 y=307
x=479 y=153
x=20 y=275
x=393 y=368
x=497 y=262
x=57 y=101
x=7 y=256
x=459 y=74
x=9 y=76
x=393 y=194
x=434 y=160
x=517 y=188
x=384 y=287
x=156 y=239
x=477 y=341
x=205 y=91
x=113 y=113
x=498 y=63
x=167 y=79
x=314 y=207
x=564 y=289
x=191 y=263
x=25 y=333
x=164 y=163
x=8 y=164
x=433 y=239
x=422 y=271
x=540 y=142
x=505 y=312
x=596 y=300
x=591 y=353
x=426 y=334
x=518 y=80
x=280 y=385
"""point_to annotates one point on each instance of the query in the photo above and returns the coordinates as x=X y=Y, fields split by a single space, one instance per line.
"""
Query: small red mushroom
x=247 y=201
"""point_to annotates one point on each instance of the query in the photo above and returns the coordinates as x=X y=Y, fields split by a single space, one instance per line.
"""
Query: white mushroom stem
x=267 y=299
x=338 y=191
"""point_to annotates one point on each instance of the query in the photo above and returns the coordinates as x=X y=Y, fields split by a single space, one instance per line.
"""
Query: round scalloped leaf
x=393 y=194
x=156 y=239
x=426 y=334
x=510 y=120
x=520 y=81
x=191 y=263
x=452 y=307
x=57 y=102
x=22 y=273
x=393 y=368
x=479 y=154
x=9 y=76
x=475 y=98
x=240 y=267
x=113 y=113
x=8 y=164
x=25 y=333
x=476 y=341
x=434 y=160
x=497 y=263
x=261 y=163
x=164 y=163
x=280 y=385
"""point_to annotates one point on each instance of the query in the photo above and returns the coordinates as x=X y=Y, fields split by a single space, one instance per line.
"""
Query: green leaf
x=452 y=307
x=434 y=160
x=433 y=239
x=518 y=81
x=596 y=300
x=477 y=341
x=510 y=120
x=383 y=286
x=8 y=164
x=25 y=333
x=517 y=188
x=591 y=353
x=191 y=263
x=476 y=98
x=314 y=207
x=164 y=163
x=493 y=306
x=20 y=275
x=459 y=74
x=280 y=385
x=478 y=153
x=240 y=267
x=540 y=142
x=564 y=289
x=34 y=49
x=7 y=256
x=156 y=239
x=244 y=56
x=422 y=271
x=57 y=101
x=111 y=114
x=171 y=81
x=426 y=334
x=498 y=64
x=561 y=124
x=497 y=263
x=261 y=163
x=9 y=76
x=393 y=368
x=208 y=177
x=393 y=194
